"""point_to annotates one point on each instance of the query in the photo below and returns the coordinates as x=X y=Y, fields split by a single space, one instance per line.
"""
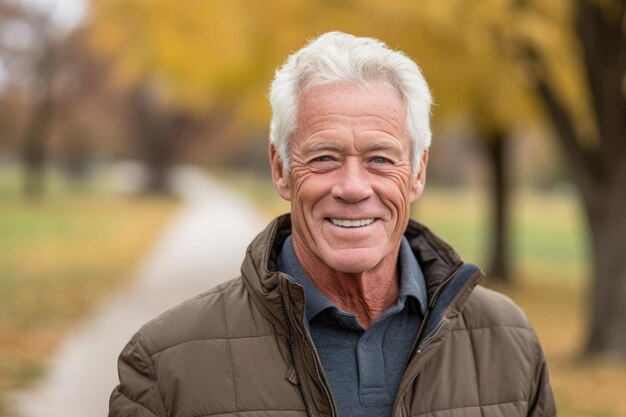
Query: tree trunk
x=155 y=135
x=157 y=175
x=600 y=171
x=601 y=31
x=601 y=178
x=499 y=264
x=34 y=150
x=599 y=168
x=606 y=214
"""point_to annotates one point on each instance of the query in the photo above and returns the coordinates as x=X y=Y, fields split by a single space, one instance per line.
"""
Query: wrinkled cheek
x=402 y=210
x=298 y=218
x=301 y=214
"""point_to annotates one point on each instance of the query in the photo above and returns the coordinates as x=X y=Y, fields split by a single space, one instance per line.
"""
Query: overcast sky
x=65 y=14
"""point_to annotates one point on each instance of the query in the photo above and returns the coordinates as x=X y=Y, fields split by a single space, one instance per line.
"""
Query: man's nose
x=352 y=184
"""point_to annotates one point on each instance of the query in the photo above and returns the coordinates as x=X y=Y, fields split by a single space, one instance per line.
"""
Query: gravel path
x=204 y=244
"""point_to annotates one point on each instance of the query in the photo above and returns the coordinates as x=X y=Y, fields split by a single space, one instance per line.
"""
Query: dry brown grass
x=58 y=259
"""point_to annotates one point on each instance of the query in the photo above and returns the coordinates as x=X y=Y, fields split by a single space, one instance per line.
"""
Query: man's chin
x=352 y=261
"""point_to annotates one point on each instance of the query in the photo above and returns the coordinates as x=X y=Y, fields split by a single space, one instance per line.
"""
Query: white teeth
x=352 y=223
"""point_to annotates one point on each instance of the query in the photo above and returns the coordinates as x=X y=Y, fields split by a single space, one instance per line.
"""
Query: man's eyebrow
x=322 y=146
x=383 y=146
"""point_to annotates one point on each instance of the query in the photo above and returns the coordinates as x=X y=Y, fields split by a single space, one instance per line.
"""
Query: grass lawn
x=58 y=258
x=551 y=270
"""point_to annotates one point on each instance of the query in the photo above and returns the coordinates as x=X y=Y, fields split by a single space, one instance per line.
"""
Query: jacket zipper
x=431 y=306
x=288 y=315
x=418 y=345
x=319 y=376
x=402 y=410
x=292 y=349
x=423 y=346
x=430 y=338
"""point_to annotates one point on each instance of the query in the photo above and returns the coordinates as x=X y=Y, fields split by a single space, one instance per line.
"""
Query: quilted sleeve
x=542 y=403
x=137 y=394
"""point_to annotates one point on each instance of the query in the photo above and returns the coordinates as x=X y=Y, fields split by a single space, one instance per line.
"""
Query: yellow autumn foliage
x=207 y=53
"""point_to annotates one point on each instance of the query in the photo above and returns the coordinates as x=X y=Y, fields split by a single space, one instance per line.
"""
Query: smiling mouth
x=352 y=223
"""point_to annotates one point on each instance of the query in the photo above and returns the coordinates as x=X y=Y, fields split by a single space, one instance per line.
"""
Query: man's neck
x=366 y=295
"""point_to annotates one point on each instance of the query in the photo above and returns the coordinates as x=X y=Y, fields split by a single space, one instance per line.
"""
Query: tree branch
x=604 y=54
x=586 y=166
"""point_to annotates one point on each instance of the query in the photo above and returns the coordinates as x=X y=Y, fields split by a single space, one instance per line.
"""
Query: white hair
x=337 y=57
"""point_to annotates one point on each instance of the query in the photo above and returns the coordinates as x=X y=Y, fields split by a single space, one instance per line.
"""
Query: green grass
x=59 y=256
x=55 y=184
x=548 y=238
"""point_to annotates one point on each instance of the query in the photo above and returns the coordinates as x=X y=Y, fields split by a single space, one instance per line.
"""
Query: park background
x=101 y=100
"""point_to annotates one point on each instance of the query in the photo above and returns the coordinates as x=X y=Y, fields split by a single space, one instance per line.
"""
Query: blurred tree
x=159 y=134
x=57 y=95
x=598 y=161
x=80 y=92
x=39 y=81
x=30 y=55
x=573 y=55
x=12 y=115
x=183 y=66
x=43 y=108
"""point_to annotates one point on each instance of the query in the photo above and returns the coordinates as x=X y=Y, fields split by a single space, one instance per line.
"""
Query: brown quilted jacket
x=242 y=349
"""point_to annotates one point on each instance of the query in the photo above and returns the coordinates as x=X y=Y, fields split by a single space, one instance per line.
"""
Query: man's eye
x=324 y=158
x=379 y=160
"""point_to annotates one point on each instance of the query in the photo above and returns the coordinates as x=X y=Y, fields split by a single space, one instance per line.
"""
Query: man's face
x=351 y=181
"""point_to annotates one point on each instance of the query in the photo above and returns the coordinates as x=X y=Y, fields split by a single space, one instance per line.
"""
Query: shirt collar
x=411 y=279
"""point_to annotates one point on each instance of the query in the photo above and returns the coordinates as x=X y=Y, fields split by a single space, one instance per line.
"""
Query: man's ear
x=279 y=177
x=418 y=182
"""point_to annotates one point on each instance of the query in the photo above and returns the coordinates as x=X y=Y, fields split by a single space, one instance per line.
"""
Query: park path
x=202 y=246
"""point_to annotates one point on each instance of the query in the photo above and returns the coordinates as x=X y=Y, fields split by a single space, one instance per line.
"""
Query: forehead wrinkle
x=370 y=123
x=307 y=125
x=313 y=114
x=338 y=122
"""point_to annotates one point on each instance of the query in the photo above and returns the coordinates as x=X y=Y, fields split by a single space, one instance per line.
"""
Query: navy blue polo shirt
x=363 y=366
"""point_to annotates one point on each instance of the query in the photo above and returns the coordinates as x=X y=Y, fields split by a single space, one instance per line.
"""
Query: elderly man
x=345 y=307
